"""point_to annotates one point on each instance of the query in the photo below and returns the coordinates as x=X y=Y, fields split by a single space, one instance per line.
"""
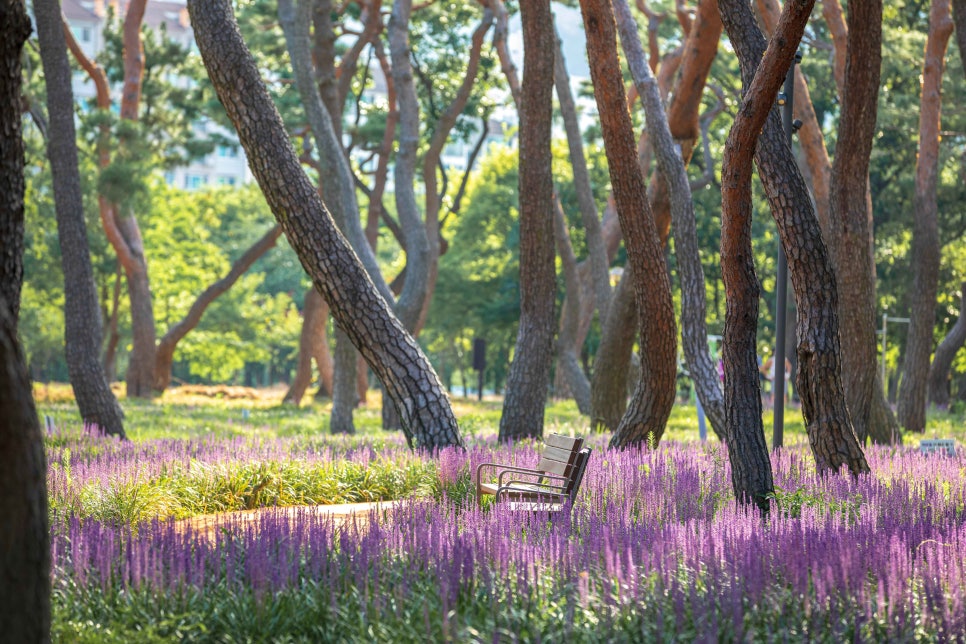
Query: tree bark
x=415 y=237
x=959 y=19
x=358 y=307
x=568 y=361
x=17 y=30
x=82 y=318
x=926 y=248
x=24 y=534
x=313 y=344
x=751 y=474
x=121 y=229
x=609 y=381
x=650 y=406
x=597 y=255
x=945 y=352
x=851 y=237
x=612 y=363
x=177 y=332
x=810 y=136
x=694 y=332
x=336 y=179
x=529 y=375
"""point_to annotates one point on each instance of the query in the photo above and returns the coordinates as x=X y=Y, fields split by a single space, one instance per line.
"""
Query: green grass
x=178 y=416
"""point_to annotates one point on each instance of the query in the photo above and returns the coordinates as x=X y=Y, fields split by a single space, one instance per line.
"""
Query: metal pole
x=885 y=322
x=781 y=287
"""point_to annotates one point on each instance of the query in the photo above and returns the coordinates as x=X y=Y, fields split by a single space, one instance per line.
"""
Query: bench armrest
x=507 y=468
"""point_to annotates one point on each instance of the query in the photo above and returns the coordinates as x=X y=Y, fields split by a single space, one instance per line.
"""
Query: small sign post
x=941 y=445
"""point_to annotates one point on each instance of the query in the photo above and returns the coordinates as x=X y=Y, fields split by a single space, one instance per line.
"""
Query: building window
x=194 y=181
x=227 y=181
x=83 y=34
x=228 y=151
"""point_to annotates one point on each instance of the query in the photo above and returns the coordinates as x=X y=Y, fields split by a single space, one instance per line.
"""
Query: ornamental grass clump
x=653 y=548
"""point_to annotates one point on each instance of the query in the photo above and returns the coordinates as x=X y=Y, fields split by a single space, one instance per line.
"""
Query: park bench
x=547 y=487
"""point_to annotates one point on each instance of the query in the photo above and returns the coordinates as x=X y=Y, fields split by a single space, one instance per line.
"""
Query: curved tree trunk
x=313 y=324
x=82 y=319
x=431 y=158
x=608 y=387
x=926 y=249
x=751 y=474
x=598 y=258
x=694 y=332
x=567 y=360
x=24 y=534
x=851 y=237
x=358 y=307
x=529 y=375
x=415 y=238
x=169 y=343
x=337 y=183
x=683 y=113
x=651 y=403
x=945 y=352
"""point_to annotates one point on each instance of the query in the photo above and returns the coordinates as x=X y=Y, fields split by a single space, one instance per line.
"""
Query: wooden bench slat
x=554 y=467
x=564 y=442
x=559 y=454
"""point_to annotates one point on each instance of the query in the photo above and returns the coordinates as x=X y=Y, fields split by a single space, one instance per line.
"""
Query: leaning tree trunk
x=851 y=238
x=751 y=474
x=357 y=306
x=337 y=184
x=24 y=534
x=959 y=18
x=926 y=249
x=829 y=428
x=650 y=406
x=529 y=376
x=82 y=318
x=612 y=362
x=945 y=352
x=164 y=358
x=694 y=332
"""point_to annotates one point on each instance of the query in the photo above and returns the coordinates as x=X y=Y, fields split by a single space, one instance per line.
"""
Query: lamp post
x=787 y=100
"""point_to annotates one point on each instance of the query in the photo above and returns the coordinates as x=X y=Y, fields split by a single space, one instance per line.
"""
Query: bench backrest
x=580 y=465
x=560 y=455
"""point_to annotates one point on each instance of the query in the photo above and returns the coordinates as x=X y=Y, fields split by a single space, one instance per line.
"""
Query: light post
x=787 y=100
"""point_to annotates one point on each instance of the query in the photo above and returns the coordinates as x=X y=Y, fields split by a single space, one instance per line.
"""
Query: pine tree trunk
x=568 y=364
x=612 y=363
x=945 y=352
x=650 y=406
x=24 y=534
x=16 y=30
x=529 y=376
x=926 y=248
x=670 y=165
x=851 y=237
x=313 y=323
x=140 y=370
x=344 y=396
x=82 y=318
x=751 y=474
x=357 y=306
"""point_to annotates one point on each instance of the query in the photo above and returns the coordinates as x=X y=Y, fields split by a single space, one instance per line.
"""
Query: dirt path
x=342 y=514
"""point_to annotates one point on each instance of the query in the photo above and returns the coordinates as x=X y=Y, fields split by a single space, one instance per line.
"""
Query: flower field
x=654 y=548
